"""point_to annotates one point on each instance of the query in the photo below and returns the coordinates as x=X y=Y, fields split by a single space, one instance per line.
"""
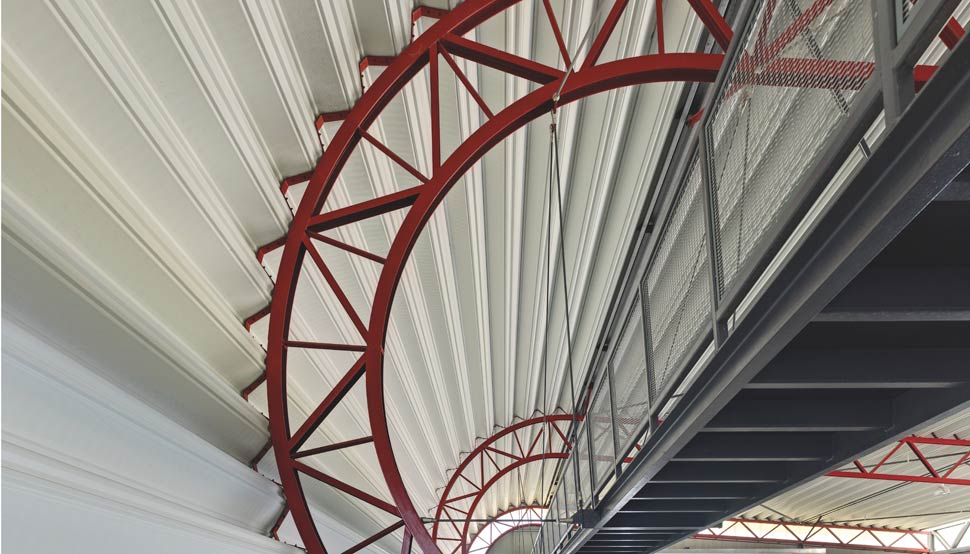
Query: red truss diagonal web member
x=940 y=472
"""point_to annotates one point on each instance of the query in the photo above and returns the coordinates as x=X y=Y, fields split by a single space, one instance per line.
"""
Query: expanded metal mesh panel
x=581 y=452
x=563 y=513
x=678 y=286
x=553 y=528
x=548 y=540
x=630 y=392
x=600 y=420
x=786 y=95
x=563 y=519
x=568 y=486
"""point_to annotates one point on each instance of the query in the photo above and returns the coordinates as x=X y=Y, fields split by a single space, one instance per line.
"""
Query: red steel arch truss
x=530 y=441
x=316 y=218
x=444 y=41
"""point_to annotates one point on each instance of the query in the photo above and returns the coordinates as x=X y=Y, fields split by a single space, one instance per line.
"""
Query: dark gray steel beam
x=894 y=315
x=794 y=411
x=847 y=368
x=616 y=534
x=661 y=522
x=935 y=239
x=608 y=549
x=630 y=536
x=783 y=447
x=722 y=472
x=672 y=506
x=655 y=539
x=886 y=335
x=708 y=491
x=957 y=191
x=616 y=548
x=904 y=293
x=611 y=546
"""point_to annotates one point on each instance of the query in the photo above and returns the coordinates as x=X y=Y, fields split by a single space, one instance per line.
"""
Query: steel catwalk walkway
x=888 y=355
x=862 y=337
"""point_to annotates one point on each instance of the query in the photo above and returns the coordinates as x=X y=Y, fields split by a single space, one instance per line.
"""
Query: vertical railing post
x=897 y=86
x=712 y=228
x=898 y=48
x=589 y=455
x=574 y=485
x=648 y=355
x=617 y=455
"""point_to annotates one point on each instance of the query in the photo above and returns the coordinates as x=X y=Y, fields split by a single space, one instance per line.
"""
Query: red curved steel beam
x=421 y=202
x=548 y=430
x=463 y=545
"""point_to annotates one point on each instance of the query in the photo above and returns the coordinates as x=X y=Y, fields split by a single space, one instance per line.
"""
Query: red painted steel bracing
x=936 y=471
x=535 y=440
x=816 y=533
x=445 y=40
x=820 y=534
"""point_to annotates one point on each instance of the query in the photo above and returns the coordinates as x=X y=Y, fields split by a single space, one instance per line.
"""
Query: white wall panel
x=67 y=431
x=88 y=467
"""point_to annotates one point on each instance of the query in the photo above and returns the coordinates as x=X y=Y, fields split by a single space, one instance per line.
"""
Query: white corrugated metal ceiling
x=151 y=138
x=144 y=143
